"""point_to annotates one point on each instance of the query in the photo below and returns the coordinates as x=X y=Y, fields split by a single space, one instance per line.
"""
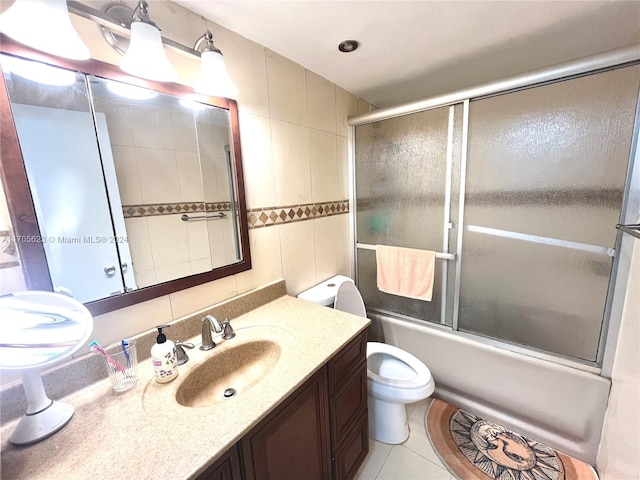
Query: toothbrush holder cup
x=122 y=365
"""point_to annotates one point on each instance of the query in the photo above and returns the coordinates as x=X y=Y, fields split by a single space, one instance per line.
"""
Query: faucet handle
x=180 y=353
x=227 y=330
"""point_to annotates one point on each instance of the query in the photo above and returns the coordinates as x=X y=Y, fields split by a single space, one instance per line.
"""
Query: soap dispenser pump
x=163 y=356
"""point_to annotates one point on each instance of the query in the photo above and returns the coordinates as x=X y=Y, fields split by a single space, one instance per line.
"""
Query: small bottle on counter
x=163 y=356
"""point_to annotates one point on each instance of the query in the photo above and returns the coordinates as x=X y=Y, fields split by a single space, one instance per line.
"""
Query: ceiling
x=410 y=50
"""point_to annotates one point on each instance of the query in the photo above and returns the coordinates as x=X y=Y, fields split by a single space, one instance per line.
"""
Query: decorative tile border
x=150 y=210
x=257 y=217
x=269 y=216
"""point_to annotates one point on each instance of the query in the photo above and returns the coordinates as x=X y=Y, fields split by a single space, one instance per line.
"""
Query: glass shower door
x=545 y=180
x=405 y=170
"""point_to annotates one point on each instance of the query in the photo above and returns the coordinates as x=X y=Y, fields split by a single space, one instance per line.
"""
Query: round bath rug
x=475 y=449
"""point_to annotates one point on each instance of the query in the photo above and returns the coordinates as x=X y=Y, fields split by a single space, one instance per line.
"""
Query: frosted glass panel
x=537 y=295
x=544 y=185
x=551 y=161
x=400 y=180
x=374 y=298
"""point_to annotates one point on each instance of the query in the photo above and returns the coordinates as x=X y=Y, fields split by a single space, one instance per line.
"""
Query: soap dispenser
x=163 y=356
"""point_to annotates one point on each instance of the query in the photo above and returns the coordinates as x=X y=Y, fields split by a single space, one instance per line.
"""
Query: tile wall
x=293 y=128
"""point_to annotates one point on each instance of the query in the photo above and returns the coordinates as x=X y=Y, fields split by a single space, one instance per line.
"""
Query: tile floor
x=412 y=460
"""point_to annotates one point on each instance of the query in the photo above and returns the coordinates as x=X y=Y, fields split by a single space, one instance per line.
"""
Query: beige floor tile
x=404 y=464
x=378 y=453
x=418 y=441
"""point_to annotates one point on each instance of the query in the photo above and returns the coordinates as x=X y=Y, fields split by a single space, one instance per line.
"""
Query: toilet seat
x=422 y=376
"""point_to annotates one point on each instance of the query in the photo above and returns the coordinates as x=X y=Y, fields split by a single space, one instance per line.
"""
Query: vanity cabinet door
x=348 y=408
x=352 y=451
x=292 y=443
x=226 y=467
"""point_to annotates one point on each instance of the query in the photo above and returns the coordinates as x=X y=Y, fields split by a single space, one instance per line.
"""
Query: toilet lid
x=348 y=299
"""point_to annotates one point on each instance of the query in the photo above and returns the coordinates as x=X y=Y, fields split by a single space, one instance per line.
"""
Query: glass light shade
x=145 y=56
x=44 y=25
x=214 y=79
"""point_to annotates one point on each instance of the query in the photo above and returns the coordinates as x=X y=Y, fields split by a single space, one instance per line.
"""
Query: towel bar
x=441 y=255
x=187 y=218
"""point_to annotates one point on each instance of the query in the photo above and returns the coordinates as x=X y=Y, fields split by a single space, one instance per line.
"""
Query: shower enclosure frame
x=629 y=210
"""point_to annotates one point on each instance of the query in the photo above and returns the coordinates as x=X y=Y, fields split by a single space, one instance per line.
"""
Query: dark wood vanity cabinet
x=348 y=408
x=292 y=441
x=320 y=432
x=226 y=467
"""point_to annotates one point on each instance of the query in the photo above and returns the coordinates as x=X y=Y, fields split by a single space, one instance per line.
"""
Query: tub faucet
x=209 y=323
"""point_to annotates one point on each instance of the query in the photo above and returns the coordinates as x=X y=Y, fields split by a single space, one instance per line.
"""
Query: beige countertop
x=145 y=433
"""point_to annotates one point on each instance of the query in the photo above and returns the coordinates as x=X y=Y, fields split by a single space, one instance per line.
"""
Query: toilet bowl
x=394 y=377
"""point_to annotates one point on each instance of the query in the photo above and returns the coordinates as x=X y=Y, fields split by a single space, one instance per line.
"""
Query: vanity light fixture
x=145 y=56
x=44 y=25
x=214 y=79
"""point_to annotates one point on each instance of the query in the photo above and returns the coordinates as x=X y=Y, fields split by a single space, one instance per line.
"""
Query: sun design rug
x=474 y=449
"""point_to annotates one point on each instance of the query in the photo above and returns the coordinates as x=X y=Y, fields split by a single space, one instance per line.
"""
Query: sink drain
x=229 y=392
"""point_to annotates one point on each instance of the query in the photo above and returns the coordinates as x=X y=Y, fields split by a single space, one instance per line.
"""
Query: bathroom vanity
x=325 y=417
x=304 y=418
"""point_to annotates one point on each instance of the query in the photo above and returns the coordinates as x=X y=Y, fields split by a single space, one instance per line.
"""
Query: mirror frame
x=20 y=202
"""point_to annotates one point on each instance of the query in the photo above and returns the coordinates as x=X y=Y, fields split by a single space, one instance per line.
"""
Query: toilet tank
x=325 y=292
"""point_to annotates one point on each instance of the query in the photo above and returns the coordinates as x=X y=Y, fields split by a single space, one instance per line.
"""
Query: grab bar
x=441 y=255
x=633 y=230
x=186 y=218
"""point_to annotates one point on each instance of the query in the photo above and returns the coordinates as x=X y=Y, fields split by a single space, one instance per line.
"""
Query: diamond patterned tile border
x=268 y=216
x=257 y=217
x=173 y=208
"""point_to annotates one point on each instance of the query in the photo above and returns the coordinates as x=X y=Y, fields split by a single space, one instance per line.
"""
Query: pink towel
x=405 y=271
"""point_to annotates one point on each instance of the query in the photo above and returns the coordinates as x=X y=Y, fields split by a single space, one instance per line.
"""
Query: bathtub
x=560 y=406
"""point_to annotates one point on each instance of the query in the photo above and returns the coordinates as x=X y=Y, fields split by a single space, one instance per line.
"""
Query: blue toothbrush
x=125 y=344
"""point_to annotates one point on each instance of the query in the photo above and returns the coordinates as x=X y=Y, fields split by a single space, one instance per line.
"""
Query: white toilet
x=394 y=377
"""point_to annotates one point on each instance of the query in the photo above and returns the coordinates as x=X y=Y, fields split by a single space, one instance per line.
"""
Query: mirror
x=136 y=192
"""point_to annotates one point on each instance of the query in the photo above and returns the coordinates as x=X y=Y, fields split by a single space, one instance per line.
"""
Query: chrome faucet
x=209 y=323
